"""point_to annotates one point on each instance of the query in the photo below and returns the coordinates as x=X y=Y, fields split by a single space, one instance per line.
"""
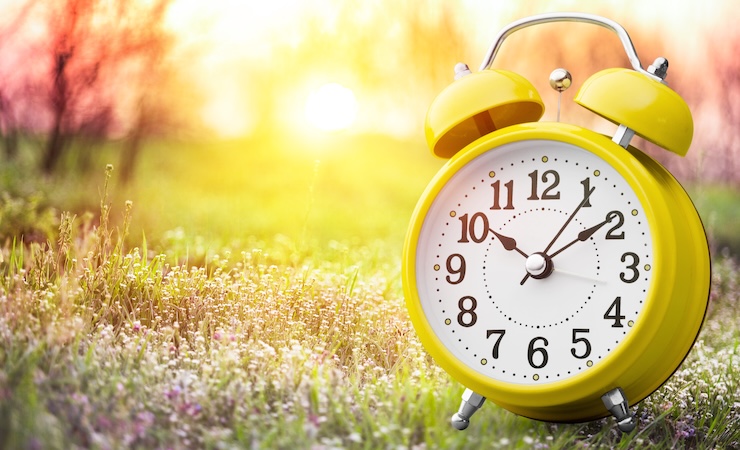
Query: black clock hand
x=583 y=236
x=578 y=208
x=508 y=243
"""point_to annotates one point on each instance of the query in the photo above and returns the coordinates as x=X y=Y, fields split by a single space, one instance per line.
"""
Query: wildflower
x=143 y=421
x=103 y=422
x=173 y=393
x=192 y=409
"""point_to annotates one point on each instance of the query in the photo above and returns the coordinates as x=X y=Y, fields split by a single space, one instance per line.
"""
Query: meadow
x=247 y=294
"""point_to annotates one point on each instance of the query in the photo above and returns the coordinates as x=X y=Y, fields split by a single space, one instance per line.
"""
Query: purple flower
x=173 y=393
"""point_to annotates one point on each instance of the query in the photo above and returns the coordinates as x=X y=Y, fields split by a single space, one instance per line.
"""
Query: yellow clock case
x=675 y=303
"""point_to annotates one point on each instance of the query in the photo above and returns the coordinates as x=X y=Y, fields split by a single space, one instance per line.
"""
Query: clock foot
x=616 y=402
x=471 y=402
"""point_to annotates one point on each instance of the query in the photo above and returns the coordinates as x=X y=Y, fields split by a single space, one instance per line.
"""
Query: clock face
x=534 y=261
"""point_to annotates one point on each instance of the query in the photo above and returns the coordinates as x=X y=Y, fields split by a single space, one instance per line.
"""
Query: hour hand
x=585 y=234
x=508 y=243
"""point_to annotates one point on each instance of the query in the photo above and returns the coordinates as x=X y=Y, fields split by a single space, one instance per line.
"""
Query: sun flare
x=332 y=107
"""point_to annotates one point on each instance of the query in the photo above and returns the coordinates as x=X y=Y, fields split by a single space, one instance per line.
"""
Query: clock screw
x=539 y=265
x=659 y=67
x=461 y=69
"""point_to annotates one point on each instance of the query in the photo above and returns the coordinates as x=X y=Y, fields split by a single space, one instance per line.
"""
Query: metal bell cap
x=650 y=108
x=477 y=104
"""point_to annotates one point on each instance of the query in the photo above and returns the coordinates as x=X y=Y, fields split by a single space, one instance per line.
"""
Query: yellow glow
x=239 y=54
x=332 y=107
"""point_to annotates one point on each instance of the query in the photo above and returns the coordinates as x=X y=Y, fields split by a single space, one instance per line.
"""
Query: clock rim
x=550 y=400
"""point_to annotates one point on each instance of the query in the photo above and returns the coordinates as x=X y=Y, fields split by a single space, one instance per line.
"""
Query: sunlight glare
x=332 y=107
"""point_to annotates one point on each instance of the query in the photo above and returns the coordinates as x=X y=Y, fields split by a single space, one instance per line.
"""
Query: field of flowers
x=109 y=344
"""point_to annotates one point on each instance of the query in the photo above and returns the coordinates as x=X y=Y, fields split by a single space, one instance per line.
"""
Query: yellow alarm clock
x=560 y=273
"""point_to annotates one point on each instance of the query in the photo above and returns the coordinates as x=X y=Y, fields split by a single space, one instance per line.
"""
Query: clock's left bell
x=477 y=104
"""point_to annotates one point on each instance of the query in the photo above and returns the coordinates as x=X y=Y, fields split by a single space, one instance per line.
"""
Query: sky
x=238 y=32
x=221 y=42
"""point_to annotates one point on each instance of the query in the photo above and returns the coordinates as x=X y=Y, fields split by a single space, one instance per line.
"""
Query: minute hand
x=578 y=208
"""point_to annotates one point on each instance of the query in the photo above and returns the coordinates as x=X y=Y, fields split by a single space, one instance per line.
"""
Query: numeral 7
x=500 y=334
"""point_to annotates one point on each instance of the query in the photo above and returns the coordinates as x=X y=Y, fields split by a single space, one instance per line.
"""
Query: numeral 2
x=612 y=234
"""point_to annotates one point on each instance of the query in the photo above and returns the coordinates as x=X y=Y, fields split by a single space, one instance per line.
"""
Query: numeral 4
x=615 y=313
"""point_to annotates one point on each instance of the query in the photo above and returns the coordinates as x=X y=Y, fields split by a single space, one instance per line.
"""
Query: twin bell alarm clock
x=557 y=272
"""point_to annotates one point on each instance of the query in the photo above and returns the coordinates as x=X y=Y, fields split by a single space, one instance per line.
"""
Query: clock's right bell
x=647 y=106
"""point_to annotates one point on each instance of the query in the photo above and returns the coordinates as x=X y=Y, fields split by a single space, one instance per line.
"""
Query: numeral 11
x=509 y=187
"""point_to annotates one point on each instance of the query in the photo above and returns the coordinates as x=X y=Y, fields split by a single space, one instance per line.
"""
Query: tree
x=98 y=53
x=9 y=89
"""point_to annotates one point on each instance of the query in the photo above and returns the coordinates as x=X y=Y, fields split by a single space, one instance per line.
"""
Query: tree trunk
x=54 y=148
x=59 y=99
x=11 y=144
x=129 y=155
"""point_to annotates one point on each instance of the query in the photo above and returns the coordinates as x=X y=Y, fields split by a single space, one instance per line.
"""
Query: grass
x=234 y=304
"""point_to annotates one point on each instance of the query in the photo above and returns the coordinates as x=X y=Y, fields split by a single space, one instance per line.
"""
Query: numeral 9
x=455 y=269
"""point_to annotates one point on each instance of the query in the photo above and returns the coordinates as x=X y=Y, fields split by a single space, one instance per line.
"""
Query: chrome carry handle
x=574 y=17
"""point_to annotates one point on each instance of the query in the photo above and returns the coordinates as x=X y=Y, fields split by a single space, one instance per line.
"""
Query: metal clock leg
x=616 y=402
x=471 y=402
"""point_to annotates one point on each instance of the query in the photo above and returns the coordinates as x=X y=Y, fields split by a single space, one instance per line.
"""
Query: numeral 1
x=496 y=185
x=586 y=189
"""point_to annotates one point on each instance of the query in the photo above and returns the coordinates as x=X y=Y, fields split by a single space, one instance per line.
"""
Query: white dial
x=534 y=261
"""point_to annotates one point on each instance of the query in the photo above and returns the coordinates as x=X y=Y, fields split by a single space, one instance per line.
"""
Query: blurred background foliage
x=201 y=107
